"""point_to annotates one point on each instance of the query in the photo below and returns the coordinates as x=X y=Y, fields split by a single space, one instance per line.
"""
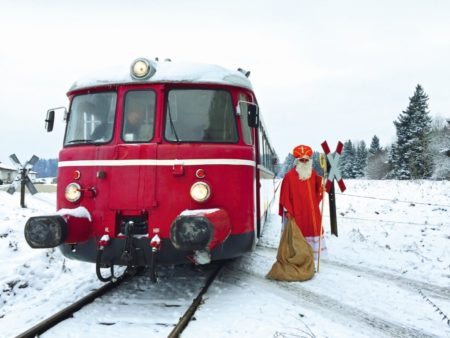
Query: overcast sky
x=321 y=70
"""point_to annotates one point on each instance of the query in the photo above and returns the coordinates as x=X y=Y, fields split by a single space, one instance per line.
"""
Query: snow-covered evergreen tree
x=374 y=145
x=377 y=160
x=346 y=161
x=410 y=158
x=440 y=151
x=360 y=160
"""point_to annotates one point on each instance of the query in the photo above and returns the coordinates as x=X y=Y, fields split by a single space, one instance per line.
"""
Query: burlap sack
x=295 y=258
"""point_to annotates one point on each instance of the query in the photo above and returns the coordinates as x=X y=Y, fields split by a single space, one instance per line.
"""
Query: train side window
x=243 y=116
x=261 y=149
x=91 y=118
x=138 y=116
x=200 y=115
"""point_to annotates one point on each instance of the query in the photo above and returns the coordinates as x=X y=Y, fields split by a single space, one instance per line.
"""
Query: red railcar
x=161 y=163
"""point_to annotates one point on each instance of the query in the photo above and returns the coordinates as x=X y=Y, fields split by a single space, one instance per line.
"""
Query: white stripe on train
x=120 y=163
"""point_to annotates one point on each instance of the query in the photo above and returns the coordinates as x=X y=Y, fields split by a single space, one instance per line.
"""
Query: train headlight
x=140 y=69
x=73 y=192
x=200 y=191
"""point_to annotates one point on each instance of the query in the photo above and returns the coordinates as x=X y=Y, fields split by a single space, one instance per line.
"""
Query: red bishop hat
x=302 y=151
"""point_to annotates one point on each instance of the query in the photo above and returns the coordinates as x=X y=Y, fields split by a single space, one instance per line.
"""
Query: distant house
x=7 y=173
x=32 y=175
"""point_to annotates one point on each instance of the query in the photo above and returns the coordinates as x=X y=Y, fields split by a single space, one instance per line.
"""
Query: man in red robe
x=300 y=196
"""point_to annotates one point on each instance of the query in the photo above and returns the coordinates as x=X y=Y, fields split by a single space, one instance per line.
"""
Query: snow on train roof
x=166 y=71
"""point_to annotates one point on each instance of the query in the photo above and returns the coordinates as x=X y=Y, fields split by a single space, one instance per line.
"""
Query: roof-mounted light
x=141 y=69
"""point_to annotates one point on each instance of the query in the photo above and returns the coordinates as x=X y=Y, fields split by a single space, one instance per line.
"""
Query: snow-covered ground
x=386 y=275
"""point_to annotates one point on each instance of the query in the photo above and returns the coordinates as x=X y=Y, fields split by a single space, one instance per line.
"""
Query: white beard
x=304 y=170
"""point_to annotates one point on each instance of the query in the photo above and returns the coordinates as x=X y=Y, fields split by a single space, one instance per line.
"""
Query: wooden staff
x=323 y=165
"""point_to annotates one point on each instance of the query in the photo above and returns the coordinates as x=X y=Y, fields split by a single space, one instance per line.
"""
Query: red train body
x=190 y=183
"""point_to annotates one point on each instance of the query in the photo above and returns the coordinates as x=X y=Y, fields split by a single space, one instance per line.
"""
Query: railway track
x=68 y=312
x=116 y=299
x=184 y=320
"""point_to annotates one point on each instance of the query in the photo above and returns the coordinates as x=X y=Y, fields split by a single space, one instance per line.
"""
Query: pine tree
x=346 y=161
x=360 y=160
x=409 y=156
x=377 y=166
x=374 y=145
x=440 y=150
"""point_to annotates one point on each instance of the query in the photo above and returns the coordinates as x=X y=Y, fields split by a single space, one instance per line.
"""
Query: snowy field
x=386 y=275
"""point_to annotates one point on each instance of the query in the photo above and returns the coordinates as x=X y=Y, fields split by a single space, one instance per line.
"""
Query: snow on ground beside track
x=33 y=282
x=408 y=233
x=391 y=244
x=389 y=247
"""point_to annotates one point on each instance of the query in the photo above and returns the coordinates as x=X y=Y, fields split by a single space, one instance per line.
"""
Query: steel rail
x=67 y=312
x=186 y=318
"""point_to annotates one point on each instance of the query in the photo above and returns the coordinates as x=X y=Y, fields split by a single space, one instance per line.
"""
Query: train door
x=133 y=171
x=249 y=127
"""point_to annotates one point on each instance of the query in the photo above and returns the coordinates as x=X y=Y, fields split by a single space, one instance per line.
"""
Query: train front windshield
x=192 y=115
x=200 y=115
x=91 y=118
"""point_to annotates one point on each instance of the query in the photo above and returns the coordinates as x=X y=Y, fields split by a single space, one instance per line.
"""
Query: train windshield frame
x=200 y=115
x=91 y=119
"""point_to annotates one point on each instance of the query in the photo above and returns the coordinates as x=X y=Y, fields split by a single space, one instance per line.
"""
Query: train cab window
x=246 y=130
x=91 y=118
x=138 y=116
x=200 y=115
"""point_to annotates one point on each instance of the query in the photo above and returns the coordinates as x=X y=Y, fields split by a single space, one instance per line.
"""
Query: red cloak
x=301 y=199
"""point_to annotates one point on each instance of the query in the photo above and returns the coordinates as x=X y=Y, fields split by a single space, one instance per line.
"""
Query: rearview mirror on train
x=50 y=120
x=253 y=116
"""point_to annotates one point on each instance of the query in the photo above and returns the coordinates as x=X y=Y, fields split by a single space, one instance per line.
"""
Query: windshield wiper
x=81 y=141
x=171 y=123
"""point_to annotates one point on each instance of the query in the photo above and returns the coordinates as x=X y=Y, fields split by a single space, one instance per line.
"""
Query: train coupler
x=128 y=251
